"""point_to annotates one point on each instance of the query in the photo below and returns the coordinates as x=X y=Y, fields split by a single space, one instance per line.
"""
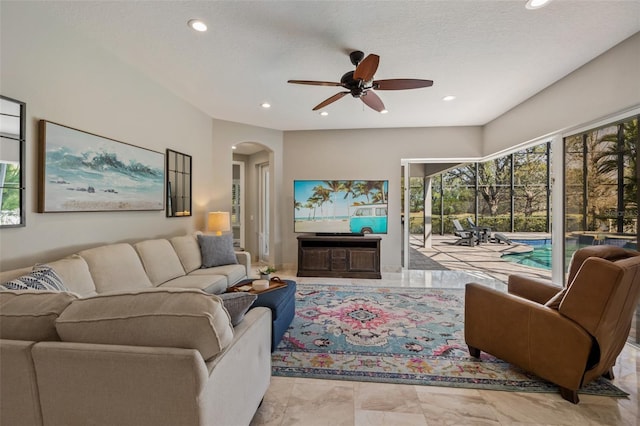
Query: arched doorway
x=252 y=199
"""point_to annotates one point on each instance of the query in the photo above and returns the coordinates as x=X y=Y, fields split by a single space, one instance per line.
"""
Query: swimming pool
x=540 y=257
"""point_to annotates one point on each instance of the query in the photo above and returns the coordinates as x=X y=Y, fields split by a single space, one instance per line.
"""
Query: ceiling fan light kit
x=360 y=83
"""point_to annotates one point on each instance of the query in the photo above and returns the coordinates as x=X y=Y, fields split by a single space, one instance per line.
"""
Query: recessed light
x=384 y=111
x=536 y=4
x=324 y=113
x=197 y=25
x=448 y=98
x=233 y=147
x=265 y=105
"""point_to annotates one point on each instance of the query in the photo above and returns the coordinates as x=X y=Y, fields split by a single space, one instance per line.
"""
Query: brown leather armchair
x=569 y=336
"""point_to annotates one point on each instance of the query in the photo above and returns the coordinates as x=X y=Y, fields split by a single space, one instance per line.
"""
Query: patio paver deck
x=485 y=257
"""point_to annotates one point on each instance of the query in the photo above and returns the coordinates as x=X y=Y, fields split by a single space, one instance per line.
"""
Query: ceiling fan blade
x=401 y=84
x=367 y=68
x=314 y=83
x=372 y=100
x=330 y=100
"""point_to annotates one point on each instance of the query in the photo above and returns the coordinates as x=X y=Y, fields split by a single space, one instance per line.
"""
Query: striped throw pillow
x=42 y=277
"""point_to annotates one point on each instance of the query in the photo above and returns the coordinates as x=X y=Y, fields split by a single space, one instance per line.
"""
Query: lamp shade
x=218 y=222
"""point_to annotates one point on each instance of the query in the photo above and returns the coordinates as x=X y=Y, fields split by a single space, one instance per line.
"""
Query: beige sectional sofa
x=136 y=341
x=175 y=262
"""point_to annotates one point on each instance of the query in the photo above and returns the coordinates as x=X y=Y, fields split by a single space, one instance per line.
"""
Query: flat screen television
x=340 y=206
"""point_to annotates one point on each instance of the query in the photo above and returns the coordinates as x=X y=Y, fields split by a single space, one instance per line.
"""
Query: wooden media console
x=339 y=256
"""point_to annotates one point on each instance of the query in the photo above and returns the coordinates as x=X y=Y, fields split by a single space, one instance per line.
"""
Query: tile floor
x=308 y=402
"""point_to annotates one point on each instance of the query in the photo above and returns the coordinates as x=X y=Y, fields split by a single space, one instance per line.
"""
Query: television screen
x=340 y=206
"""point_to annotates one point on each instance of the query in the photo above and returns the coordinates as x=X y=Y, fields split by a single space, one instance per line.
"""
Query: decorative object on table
x=395 y=335
x=218 y=222
x=82 y=172
x=260 y=285
x=246 y=286
x=12 y=162
x=265 y=272
x=178 y=184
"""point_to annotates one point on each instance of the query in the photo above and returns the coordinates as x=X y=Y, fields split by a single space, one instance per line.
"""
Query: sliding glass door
x=601 y=189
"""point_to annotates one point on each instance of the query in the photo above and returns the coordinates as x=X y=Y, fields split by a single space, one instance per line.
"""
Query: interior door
x=263 y=212
x=237 y=204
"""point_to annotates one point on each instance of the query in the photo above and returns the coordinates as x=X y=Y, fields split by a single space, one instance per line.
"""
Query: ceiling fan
x=360 y=82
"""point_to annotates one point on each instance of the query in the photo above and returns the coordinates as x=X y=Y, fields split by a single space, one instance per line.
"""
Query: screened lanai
x=511 y=195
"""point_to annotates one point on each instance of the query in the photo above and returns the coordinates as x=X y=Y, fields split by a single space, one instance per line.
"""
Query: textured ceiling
x=492 y=55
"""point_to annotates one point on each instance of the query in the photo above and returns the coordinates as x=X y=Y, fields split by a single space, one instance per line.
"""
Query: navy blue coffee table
x=282 y=302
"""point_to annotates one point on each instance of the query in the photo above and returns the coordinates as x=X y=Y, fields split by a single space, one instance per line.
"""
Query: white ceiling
x=492 y=55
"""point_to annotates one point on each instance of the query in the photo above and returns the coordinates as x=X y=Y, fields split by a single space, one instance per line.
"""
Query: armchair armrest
x=527 y=334
x=244 y=259
x=536 y=289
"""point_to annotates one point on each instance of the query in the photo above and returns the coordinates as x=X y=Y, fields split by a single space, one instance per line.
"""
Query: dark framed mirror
x=12 y=162
x=178 y=184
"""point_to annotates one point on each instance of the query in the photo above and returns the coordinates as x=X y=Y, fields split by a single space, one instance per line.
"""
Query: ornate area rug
x=395 y=335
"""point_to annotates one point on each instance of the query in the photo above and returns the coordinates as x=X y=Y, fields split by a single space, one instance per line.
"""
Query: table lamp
x=218 y=222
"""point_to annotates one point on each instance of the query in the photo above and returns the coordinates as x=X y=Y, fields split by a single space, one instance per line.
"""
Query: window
x=507 y=194
x=601 y=190
x=601 y=187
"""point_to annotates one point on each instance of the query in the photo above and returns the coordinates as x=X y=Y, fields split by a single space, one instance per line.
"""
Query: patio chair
x=467 y=236
x=484 y=232
x=568 y=336
x=499 y=238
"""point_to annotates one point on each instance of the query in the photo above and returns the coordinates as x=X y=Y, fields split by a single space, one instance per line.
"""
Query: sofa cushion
x=180 y=318
x=237 y=304
x=31 y=314
x=232 y=273
x=212 y=284
x=75 y=275
x=41 y=277
x=188 y=251
x=115 y=267
x=160 y=260
x=217 y=250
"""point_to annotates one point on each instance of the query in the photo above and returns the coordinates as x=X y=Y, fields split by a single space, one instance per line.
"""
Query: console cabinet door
x=316 y=259
x=365 y=260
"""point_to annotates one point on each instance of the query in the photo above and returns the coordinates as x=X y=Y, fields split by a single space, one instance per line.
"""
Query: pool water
x=540 y=257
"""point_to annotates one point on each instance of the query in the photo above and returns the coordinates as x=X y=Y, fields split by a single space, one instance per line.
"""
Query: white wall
x=366 y=154
x=68 y=80
x=605 y=86
x=225 y=135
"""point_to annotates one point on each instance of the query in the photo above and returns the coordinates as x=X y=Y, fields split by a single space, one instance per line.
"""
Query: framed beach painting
x=83 y=172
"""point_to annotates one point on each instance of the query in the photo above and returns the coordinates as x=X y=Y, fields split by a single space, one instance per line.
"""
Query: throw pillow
x=217 y=250
x=237 y=304
x=42 y=277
